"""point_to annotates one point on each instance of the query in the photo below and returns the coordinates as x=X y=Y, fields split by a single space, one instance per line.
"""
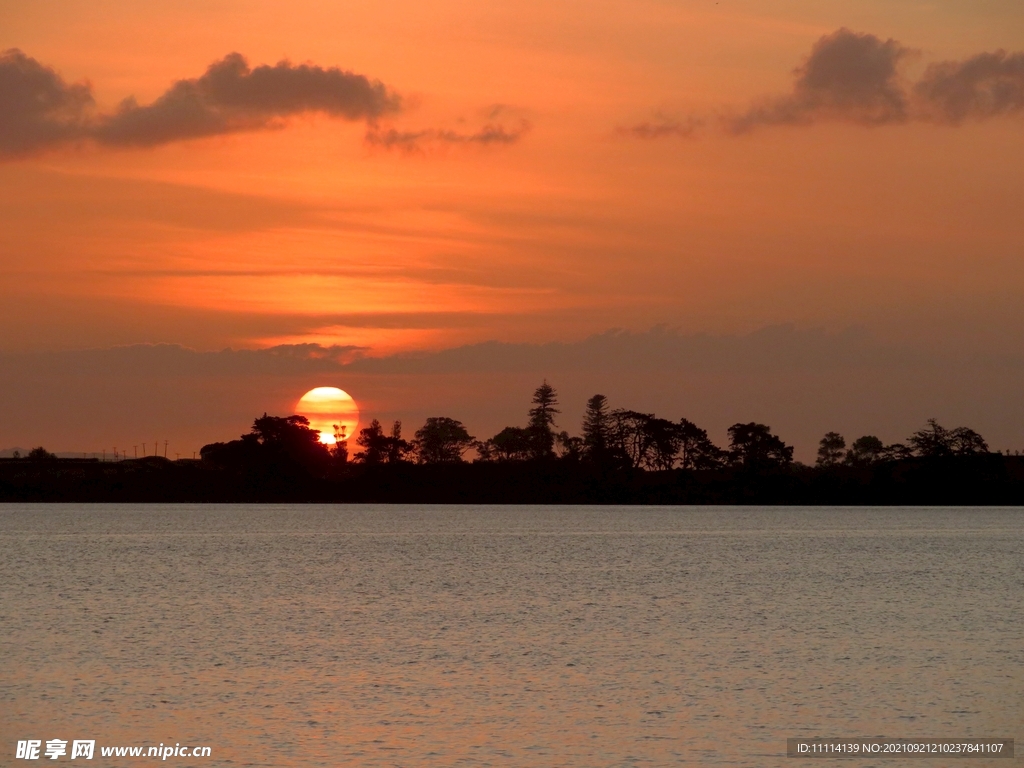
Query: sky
x=800 y=213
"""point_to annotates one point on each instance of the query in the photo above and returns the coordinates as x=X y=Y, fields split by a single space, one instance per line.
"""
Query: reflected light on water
x=305 y=636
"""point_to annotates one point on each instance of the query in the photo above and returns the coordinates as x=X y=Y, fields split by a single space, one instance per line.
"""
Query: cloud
x=855 y=78
x=232 y=97
x=490 y=134
x=848 y=76
x=984 y=86
x=665 y=126
x=659 y=349
x=37 y=108
x=175 y=361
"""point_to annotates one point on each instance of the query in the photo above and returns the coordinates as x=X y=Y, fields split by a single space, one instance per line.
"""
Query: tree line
x=612 y=439
x=615 y=456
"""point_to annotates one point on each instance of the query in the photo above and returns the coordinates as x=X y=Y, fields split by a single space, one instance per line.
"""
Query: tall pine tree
x=542 y=422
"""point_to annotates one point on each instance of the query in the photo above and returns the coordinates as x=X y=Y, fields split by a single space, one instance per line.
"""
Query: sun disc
x=327 y=407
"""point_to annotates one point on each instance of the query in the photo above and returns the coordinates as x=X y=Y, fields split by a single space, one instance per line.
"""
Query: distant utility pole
x=165 y=449
x=143 y=449
x=136 y=449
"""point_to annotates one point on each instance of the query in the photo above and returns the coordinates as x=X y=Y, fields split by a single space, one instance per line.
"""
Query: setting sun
x=326 y=407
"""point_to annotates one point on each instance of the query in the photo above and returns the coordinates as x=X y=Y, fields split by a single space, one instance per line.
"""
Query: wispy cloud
x=855 y=78
x=417 y=140
x=663 y=126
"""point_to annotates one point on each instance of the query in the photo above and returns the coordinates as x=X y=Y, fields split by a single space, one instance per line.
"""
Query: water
x=506 y=636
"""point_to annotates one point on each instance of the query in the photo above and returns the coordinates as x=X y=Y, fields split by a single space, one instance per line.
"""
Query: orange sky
x=303 y=230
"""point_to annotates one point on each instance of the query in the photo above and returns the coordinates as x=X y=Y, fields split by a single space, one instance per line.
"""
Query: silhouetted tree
x=511 y=444
x=569 y=447
x=643 y=439
x=441 y=441
x=290 y=438
x=484 y=450
x=374 y=443
x=830 y=449
x=664 y=444
x=630 y=438
x=397 y=448
x=238 y=454
x=285 y=430
x=897 y=452
x=865 y=450
x=935 y=440
x=40 y=454
x=967 y=441
x=596 y=428
x=696 y=451
x=281 y=444
x=753 y=446
x=542 y=422
x=340 y=449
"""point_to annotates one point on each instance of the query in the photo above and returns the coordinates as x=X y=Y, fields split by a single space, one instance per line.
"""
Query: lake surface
x=506 y=636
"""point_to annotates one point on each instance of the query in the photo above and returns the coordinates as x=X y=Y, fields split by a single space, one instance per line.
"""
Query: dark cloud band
x=38 y=109
x=987 y=85
x=855 y=78
x=848 y=76
x=231 y=97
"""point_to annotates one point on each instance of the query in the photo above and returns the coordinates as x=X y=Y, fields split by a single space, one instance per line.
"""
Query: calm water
x=506 y=636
